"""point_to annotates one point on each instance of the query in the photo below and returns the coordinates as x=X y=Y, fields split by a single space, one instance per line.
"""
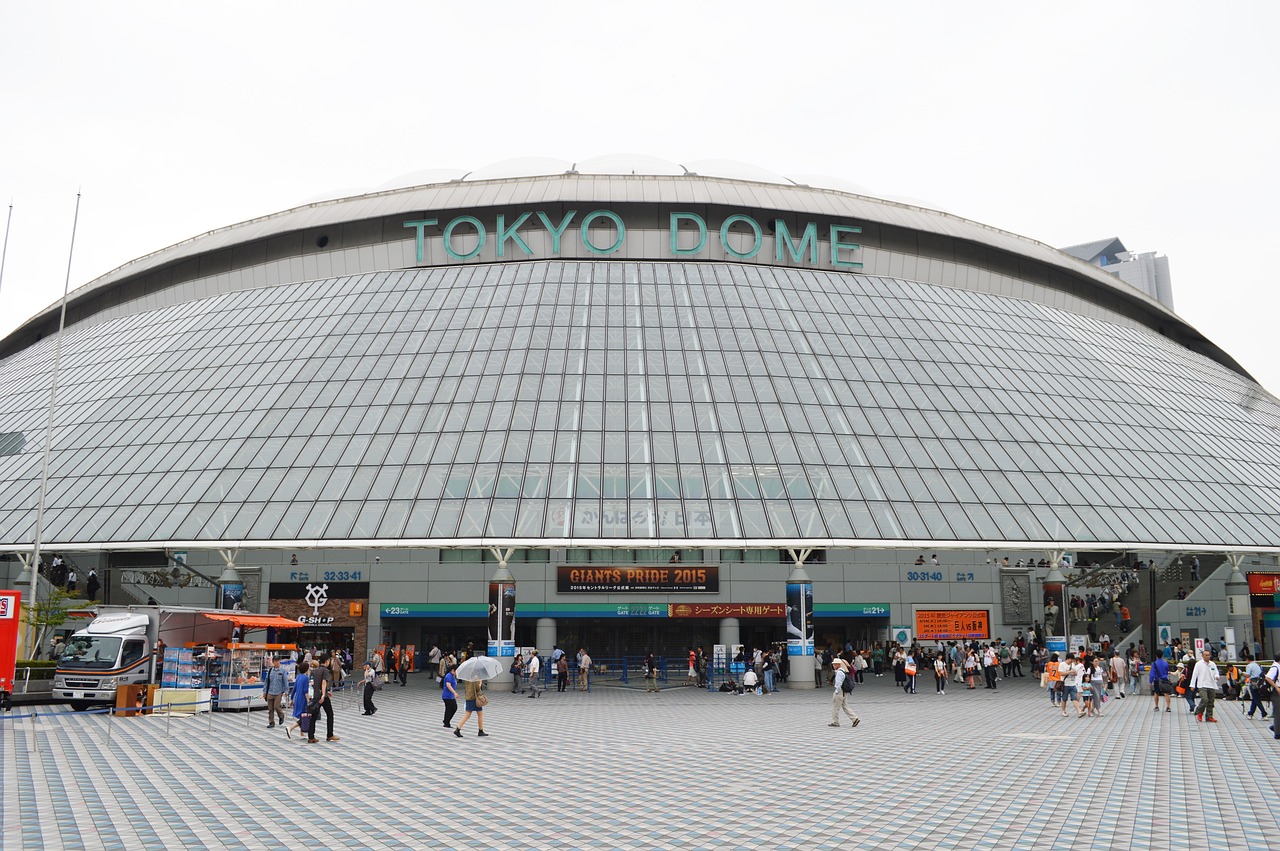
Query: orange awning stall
x=250 y=621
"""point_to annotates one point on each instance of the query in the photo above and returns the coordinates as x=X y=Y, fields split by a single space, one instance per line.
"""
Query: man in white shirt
x=1071 y=671
x=1205 y=679
x=535 y=670
x=1273 y=680
x=839 y=700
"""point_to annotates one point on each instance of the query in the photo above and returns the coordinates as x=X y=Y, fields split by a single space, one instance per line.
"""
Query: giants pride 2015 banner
x=668 y=578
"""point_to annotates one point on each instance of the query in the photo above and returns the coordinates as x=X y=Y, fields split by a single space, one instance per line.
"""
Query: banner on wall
x=502 y=619
x=952 y=624
x=10 y=605
x=799 y=618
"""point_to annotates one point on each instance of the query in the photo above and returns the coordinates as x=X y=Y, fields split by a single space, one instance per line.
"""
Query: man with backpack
x=840 y=695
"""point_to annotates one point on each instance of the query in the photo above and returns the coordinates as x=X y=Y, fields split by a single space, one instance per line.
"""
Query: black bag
x=376 y=682
x=306 y=722
x=847 y=685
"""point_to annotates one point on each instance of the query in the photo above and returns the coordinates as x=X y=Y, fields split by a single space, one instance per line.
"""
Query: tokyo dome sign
x=569 y=233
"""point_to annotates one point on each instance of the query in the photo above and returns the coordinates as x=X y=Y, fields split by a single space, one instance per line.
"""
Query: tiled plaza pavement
x=617 y=768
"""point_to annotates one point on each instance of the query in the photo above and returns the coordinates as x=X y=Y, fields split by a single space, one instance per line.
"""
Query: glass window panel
x=725 y=517
x=666 y=481
x=754 y=520
x=615 y=517
x=586 y=518
x=368 y=517
x=643 y=519
x=475 y=512
x=884 y=517
x=588 y=484
x=671 y=519
x=502 y=518
x=720 y=486
x=458 y=481
x=529 y=521
x=446 y=519
x=697 y=519
x=318 y=520
x=394 y=520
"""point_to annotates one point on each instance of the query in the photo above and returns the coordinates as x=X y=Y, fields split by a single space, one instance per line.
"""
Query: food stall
x=234 y=669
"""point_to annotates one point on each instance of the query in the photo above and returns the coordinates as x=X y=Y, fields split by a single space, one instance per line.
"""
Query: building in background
x=1147 y=271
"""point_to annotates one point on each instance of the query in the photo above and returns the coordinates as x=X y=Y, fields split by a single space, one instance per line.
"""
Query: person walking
x=71 y=580
x=1053 y=680
x=584 y=668
x=1205 y=679
x=692 y=676
x=449 y=694
x=377 y=663
x=990 y=661
x=92 y=585
x=1135 y=673
x=1257 y=688
x=274 y=686
x=839 y=698
x=1160 y=685
x=817 y=669
x=1072 y=671
x=472 y=692
x=1272 y=678
x=562 y=673
x=940 y=674
x=650 y=674
x=323 y=689
x=1118 y=673
x=535 y=671
x=301 y=686
x=370 y=678
x=909 y=671
x=405 y=664
x=433 y=660
x=517 y=670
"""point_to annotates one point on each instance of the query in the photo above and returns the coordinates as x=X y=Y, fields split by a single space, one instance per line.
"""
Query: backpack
x=847 y=685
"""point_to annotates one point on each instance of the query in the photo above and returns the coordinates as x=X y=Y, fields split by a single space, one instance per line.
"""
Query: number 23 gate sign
x=941 y=625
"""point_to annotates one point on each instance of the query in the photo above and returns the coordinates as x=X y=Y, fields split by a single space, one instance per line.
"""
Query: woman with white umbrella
x=473 y=672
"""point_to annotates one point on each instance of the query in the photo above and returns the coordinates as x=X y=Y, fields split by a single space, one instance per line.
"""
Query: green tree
x=44 y=615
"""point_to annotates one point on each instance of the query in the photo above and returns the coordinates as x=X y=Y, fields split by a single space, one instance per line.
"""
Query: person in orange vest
x=1124 y=618
x=1053 y=680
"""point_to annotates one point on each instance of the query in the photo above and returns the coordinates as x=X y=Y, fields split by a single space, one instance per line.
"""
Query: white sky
x=1154 y=122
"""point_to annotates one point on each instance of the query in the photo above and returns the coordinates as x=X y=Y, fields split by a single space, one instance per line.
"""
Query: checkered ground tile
x=619 y=768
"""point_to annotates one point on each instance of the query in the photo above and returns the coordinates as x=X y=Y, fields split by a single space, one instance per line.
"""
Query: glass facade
x=597 y=403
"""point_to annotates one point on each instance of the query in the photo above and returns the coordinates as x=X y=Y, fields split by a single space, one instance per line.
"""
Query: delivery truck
x=123 y=645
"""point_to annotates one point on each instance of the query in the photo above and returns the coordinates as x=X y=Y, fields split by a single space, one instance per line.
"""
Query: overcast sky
x=1065 y=123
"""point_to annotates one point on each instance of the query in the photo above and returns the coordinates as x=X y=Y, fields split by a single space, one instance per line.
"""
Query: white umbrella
x=479 y=668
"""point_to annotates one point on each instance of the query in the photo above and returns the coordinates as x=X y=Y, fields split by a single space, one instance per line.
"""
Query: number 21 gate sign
x=945 y=625
x=9 y=604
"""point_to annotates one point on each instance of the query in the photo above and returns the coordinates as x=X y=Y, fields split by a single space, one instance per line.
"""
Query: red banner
x=10 y=603
x=1264 y=583
x=952 y=624
x=726 y=610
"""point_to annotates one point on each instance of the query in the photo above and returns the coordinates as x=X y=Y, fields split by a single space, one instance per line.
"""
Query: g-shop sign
x=621 y=580
x=948 y=624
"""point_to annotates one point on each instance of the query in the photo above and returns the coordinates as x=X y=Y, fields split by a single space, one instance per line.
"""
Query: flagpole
x=4 y=252
x=48 y=431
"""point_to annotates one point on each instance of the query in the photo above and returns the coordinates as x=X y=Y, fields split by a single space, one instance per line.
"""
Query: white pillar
x=545 y=636
x=800 y=647
x=1239 y=614
x=501 y=624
